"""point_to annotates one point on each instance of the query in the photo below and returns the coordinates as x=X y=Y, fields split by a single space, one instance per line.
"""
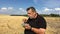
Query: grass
x=12 y=25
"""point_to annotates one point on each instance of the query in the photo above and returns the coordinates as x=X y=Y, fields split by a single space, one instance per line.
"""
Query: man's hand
x=27 y=26
x=24 y=20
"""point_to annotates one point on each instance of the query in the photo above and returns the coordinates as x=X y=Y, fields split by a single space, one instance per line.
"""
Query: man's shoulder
x=40 y=16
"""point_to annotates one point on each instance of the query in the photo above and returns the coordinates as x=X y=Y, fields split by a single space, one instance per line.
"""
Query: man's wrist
x=30 y=28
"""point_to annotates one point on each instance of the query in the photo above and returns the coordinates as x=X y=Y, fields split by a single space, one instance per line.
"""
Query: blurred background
x=13 y=11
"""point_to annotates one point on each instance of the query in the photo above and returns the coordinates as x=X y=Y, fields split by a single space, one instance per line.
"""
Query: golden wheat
x=12 y=24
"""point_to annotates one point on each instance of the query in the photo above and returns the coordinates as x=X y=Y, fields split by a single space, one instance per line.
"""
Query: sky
x=20 y=6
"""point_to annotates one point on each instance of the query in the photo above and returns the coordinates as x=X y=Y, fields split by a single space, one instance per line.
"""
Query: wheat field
x=12 y=24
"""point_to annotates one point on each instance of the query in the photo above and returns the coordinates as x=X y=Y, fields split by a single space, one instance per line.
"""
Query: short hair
x=34 y=10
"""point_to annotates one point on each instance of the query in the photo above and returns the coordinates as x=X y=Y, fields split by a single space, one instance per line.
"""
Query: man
x=35 y=24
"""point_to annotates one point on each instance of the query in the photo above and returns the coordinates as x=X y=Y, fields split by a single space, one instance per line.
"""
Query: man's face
x=31 y=14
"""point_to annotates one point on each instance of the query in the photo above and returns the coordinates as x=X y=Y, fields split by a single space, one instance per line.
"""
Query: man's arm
x=38 y=31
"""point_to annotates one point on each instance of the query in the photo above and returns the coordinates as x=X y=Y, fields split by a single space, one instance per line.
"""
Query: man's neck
x=35 y=15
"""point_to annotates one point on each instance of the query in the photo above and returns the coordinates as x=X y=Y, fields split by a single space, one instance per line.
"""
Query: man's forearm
x=35 y=30
x=38 y=31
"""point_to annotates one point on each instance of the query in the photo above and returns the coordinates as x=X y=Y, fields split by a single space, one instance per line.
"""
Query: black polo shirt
x=38 y=22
